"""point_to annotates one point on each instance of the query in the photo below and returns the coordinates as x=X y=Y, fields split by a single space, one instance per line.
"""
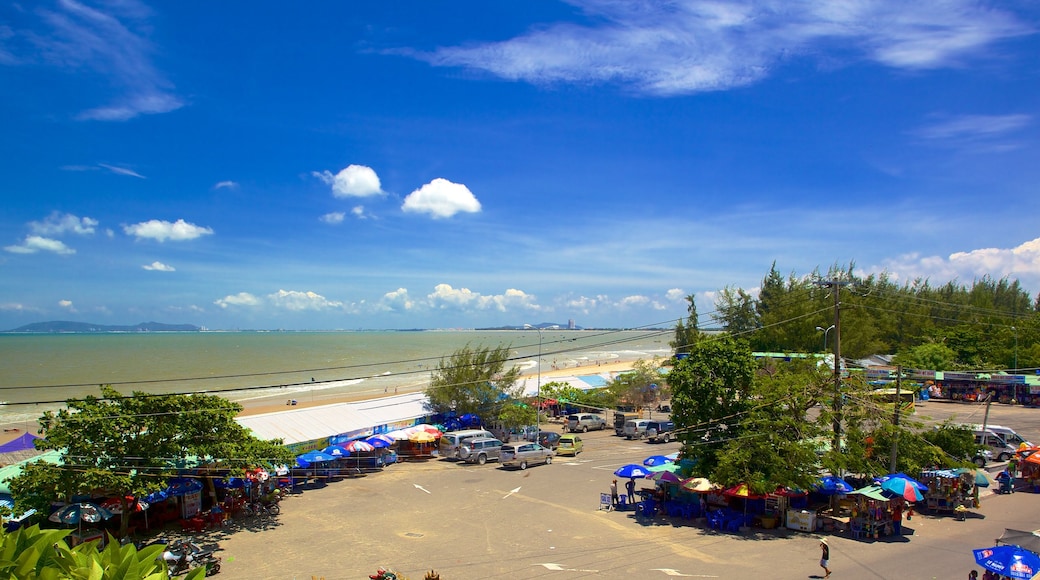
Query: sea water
x=38 y=372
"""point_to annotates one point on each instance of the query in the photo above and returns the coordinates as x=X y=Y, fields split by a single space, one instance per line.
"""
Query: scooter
x=183 y=556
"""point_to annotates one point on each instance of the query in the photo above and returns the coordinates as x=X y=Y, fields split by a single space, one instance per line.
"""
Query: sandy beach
x=275 y=404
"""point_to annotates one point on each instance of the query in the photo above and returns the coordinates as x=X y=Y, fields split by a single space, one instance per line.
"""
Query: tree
x=687 y=334
x=735 y=310
x=129 y=445
x=778 y=442
x=929 y=356
x=641 y=386
x=710 y=393
x=473 y=380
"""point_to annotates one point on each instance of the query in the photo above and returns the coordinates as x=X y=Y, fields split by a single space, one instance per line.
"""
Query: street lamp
x=1015 y=330
x=825 y=332
x=538 y=391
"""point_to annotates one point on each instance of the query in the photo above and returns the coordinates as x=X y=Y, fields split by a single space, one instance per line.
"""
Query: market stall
x=874 y=512
x=950 y=489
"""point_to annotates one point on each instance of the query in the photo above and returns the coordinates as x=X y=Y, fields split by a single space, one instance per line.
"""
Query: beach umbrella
x=422 y=437
x=742 y=490
x=632 y=471
x=359 y=446
x=336 y=450
x=672 y=456
x=664 y=477
x=902 y=488
x=672 y=467
x=696 y=485
x=379 y=441
x=917 y=484
x=183 y=486
x=980 y=478
x=1009 y=561
x=656 y=460
x=432 y=430
x=311 y=457
x=398 y=435
x=77 y=513
x=831 y=485
x=115 y=505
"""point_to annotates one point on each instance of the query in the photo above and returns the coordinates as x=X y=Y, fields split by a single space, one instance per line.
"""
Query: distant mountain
x=56 y=326
x=539 y=326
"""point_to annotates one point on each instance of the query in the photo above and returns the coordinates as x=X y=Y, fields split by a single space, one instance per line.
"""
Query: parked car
x=584 y=422
x=995 y=443
x=570 y=444
x=480 y=450
x=548 y=439
x=620 y=418
x=982 y=458
x=636 y=428
x=659 y=431
x=452 y=441
x=523 y=454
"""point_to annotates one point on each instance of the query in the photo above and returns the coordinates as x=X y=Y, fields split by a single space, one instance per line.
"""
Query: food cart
x=950 y=489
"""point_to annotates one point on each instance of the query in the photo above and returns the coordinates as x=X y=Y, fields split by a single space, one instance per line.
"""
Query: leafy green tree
x=735 y=310
x=129 y=445
x=687 y=333
x=930 y=356
x=643 y=385
x=710 y=393
x=516 y=414
x=474 y=380
x=779 y=439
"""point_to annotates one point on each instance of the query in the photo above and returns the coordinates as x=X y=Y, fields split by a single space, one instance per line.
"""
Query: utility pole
x=836 y=286
x=895 y=421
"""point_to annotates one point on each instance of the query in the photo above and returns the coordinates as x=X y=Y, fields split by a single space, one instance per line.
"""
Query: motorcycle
x=182 y=556
x=258 y=508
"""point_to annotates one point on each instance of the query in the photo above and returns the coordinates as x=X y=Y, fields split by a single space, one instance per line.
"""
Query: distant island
x=61 y=326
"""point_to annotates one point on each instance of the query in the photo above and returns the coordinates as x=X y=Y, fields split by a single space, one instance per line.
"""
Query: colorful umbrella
x=697 y=485
x=310 y=457
x=422 y=437
x=77 y=513
x=902 y=488
x=115 y=505
x=664 y=477
x=917 y=484
x=654 y=460
x=398 y=435
x=743 y=491
x=632 y=471
x=336 y=451
x=673 y=467
x=1010 y=561
x=832 y=485
x=359 y=446
x=378 y=441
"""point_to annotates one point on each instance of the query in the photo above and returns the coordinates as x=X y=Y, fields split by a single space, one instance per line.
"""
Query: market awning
x=872 y=492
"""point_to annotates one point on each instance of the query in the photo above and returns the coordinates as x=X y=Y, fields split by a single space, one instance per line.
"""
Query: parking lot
x=470 y=521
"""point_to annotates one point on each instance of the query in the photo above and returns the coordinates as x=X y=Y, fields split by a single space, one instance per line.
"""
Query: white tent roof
x=312 y=423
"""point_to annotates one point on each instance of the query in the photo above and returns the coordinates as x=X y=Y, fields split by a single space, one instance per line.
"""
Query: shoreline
x=276 y=403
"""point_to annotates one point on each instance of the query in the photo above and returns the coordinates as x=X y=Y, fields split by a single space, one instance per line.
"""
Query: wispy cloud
x=226 y=185
x=159 y=267
x=34 y=244
x=1021 y=262
x=161 y=231
x=333 y=218
x=972 y=126
x=111 y=39
x=688 y=47
x=59 y=223
x=121 y=170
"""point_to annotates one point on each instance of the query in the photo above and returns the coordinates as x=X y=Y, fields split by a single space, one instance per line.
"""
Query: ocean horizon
x=38 y=372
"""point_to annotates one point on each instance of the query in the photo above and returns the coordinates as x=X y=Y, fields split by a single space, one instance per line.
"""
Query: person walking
x=613 y=494
x=825 y=556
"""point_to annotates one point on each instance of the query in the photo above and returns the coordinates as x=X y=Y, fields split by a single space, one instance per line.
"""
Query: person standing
x=630 y=489
x=897 y=518
x=613 y=494
x=825 y=556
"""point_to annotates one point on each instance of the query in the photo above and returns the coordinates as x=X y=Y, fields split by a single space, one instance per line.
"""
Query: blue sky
x=373 y=165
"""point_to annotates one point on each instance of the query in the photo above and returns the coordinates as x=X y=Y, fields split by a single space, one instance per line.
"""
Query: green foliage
x=516 y=415
x=686 y=333
x=957 y=442
x=129 y=445
x=643 y=385
x=931 y=356
x=710 y=391
x=473 y=380
x=35 y=554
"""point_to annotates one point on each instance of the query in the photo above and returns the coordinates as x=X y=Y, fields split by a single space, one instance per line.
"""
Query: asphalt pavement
x=476 y=522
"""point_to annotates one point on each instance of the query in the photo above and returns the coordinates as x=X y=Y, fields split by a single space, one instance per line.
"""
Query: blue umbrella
x=1010 y=561
x=183 y=486
x=632 y=471
x=655 y=460
x=902 y=488
x=77 y=513
x=917 y=484
x=336 y=451
x=379 y=441
x=310 y=457
x=832 y=485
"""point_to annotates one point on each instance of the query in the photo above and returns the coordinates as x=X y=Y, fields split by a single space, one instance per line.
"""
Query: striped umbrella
x=378 y=441
x=359 y=446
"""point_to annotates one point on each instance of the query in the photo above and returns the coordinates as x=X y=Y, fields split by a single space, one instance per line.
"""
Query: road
x=470 y=522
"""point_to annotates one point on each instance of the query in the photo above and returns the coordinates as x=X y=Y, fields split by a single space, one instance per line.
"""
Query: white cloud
x=445 y=297
x=686 y=47
x=354 y=181
x=335 y=217
x=297 y=301
x=159 y=267
x=397 y=300
x=121 y=171
x=441 y=199
x=358 y=211
x=58 y=223
x=1022 y=261
x=637 y=300
x=240 y=299
x=676 y=295
x=972 y=126
x=226 y=185
x=66 y=305
x=586 y=304
x=33 y=244
x=113 y=42
x=163 y=230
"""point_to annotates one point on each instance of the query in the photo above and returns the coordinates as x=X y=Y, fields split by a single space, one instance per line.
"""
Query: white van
x=452 y=440
x=1010 y=437
x=995 y=443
